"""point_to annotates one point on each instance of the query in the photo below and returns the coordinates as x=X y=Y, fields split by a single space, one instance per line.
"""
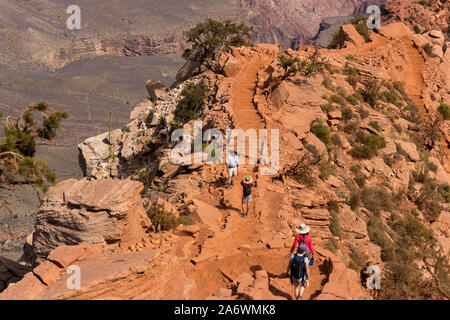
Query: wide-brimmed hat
x=248 y=179
x=302 y=229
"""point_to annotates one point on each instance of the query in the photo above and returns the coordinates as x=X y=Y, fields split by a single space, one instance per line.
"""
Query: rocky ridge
x=233 y=257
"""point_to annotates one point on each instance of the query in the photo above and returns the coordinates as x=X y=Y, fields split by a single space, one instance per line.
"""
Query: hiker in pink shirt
x=303 y=237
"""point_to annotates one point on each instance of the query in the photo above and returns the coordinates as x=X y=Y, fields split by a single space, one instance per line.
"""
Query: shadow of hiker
x=274 y=290
x=324 y=268
x=220 y=182
x=279 y=293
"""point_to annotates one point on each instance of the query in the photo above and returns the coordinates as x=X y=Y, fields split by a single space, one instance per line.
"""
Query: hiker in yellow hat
x=247 y=185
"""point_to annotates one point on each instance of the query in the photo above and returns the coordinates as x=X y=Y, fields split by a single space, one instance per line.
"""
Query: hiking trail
x=239 y=245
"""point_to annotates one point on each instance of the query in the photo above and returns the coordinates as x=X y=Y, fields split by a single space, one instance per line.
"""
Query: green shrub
x=358 y=259
x=351 y=127
x=416 y=29
x=362 y=152
x=335 y=225
x=297 y=206
x=360 y=179
x=364 y=31
x=444 y=110
x=363 y=112
x=145 y=177
x=190 y=104
x=341 y=91
x=347 y=114
x=327 y=83
x=376 y=199
x=429 y=50
x=185 y=220
x=371 y=92
x=338 y=99
x=336 y=140
x=161 y=219
x=349 y=71
x=325 y=170
x=373 y=141
x=377 y=234
x=411 y=112
x=353 y=81
x=352 y=100
x=388 y=160
x=391 y=97
x=398 y=85
x=350 y=57
x=433 y=212
x=355 y=199
x=323 y=133
x=328 y=107
x=332 y=245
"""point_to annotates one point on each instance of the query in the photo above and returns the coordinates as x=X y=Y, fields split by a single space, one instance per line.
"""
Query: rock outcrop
x=137 y=275
x=99 y=211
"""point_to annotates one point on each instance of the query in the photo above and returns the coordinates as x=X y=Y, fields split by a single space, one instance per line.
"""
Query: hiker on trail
x=303 y=237
x=247 y=186
x=232 y=164
x=298 y=270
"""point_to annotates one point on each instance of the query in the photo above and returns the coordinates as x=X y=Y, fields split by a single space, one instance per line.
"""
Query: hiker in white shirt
x=232 y=164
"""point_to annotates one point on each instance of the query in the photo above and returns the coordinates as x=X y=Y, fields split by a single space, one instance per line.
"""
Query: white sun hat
x=302 y=229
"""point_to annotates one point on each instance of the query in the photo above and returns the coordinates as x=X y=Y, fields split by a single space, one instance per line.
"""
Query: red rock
x=275 y=244
x=26 y=289
x=48 y=272
x=223 y=293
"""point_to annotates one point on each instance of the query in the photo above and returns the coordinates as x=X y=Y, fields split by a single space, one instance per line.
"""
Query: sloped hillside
x=363 y=161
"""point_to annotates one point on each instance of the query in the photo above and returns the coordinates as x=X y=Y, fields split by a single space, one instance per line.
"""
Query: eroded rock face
x=343 y=283
x=134 y=275
x=100 y=211
x=349 y=36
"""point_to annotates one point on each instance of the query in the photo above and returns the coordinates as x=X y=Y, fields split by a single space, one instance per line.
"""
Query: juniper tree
x=208 y=40
x=291 y=66
x=18 y=165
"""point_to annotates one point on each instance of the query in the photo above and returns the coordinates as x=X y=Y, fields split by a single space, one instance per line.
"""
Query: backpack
x=298 y=267
x=247 y=190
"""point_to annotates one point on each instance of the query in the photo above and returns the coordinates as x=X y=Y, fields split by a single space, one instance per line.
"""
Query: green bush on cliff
x=18 y=146
x=190 y=105
x=209 y=39
x=162 y=220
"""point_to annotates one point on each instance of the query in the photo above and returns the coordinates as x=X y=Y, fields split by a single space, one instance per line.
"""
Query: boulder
x=229 y=64
x=410 y=149
x=343 y=283
x=349 y=36
x=311 y=139
x=437 y=50
x=155 y=89
x=98 y=211
x=244 y=281
x=92 y=152
x=436 y=37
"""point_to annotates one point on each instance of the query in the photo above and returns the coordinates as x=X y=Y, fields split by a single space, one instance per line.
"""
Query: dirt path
x=238 y=245
x=414 y=83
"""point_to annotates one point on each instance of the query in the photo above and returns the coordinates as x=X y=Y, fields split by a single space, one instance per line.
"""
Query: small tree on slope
x=208 y=40
x=18 y=146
